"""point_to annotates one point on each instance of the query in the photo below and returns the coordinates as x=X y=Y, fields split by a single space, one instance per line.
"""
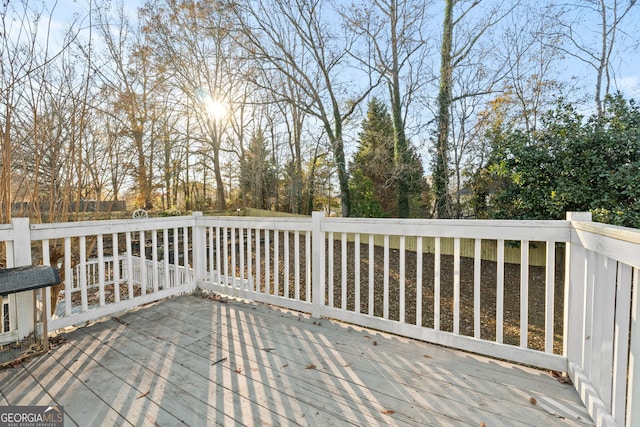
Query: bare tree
x=592 y=30
x=126 y=72
x=167 y=121
x=193 y=44
x=23 y=56
x=462 y=31
x=533 y=82
x=298 y=40
x=396 y=51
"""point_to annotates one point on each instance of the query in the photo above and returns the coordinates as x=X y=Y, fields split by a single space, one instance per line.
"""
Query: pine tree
x=257 y=178
x=374 y=174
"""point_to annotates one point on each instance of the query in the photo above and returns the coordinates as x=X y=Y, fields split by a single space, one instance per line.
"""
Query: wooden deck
x=195 y=361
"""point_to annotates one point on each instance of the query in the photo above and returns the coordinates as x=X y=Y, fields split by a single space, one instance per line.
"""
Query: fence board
x=477 y=261
x=116 y=267
x=621 y=342
x=402 y=279
x=456 y=286
x=419 y=283
x=436 y=285
x=343 y=270
x=549 y=300
x=633 y=391
x=385 y=295
x=356 y=274
x=371 y=274
x=524 y=293
x=500 y=291
x=101 y=272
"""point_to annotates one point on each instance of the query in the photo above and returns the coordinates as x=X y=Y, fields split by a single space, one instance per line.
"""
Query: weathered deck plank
x=114 y=380
x=194 y=361
x=459 y=373
x=279 y=372
x=382 y=388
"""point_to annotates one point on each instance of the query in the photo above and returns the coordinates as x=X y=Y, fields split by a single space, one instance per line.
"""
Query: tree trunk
x=343 y=176
x=5 y=178
x=441 y=172
x=220 y=199
x=401 y=157
x=144 y=192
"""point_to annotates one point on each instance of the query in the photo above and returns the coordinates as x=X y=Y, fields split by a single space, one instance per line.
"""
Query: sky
x=626 y=66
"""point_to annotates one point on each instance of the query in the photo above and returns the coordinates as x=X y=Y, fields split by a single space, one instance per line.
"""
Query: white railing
x=93 y=273
x=601 y=318
x=94 y=276
x=153 y=262
x=267 y=259
x=392 y=275
x=332 y=280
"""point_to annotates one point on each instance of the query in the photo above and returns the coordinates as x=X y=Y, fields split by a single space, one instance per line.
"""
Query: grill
x=21 y=279
x=29 y=277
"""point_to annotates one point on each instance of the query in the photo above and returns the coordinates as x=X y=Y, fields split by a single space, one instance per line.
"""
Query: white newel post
x=22 y=306
x=574 y=295
x=199 y=250
x=317 y=265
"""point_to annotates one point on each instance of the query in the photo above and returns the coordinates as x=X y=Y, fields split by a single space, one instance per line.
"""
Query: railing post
x=20 y=247
x=574 y=294
x=19 y=254
x=317 y=265
x=199 y=249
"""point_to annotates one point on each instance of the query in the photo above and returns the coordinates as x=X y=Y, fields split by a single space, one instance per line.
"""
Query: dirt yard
x=511 y=327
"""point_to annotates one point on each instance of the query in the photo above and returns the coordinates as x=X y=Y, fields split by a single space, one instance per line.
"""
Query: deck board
x=113 y=381
x=195 y=361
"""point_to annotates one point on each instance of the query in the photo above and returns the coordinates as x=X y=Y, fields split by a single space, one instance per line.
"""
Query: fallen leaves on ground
x=560 y=377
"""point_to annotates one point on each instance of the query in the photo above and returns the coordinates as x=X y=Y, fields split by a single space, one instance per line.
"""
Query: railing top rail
x=6 y=232
x=83 y=228
x=625 y=234
x=618 y=243
x=272 y=223
x=535 y=230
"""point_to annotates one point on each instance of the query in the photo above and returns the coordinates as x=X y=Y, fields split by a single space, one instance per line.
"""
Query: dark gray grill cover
x=19 y=279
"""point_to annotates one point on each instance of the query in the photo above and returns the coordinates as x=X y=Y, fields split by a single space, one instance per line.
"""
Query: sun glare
x=216 y=109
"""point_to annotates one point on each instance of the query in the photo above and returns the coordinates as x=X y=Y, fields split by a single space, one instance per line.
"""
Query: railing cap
x=579 y=216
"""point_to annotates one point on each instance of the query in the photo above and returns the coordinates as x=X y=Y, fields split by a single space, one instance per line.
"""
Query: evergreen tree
x=373 y=193
x=375 y=177
x=257 y=175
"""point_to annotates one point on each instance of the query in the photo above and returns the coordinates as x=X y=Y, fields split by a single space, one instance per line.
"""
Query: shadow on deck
x=198 y=360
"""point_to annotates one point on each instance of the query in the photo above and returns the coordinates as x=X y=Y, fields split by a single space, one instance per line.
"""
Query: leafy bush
x=571 y=164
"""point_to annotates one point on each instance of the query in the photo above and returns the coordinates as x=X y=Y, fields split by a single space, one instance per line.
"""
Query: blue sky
x=626 y=65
